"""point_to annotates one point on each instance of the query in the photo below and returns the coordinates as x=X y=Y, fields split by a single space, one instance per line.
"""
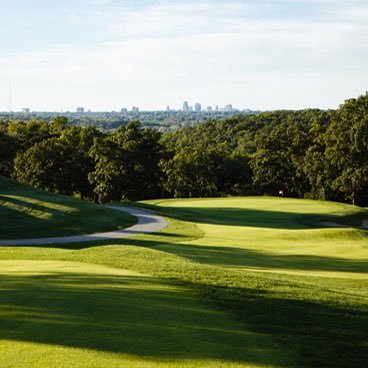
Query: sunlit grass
x=55 y=313
x=296 y=290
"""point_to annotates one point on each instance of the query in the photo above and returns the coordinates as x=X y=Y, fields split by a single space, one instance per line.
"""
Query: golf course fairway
x=231 y=282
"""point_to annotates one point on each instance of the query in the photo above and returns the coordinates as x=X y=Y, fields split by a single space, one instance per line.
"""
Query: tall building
x=135 y=109
x=209 y=108
x=197 y=107
x=124 y=109
x=80 y=110
x=185 y=106
x=25 y=110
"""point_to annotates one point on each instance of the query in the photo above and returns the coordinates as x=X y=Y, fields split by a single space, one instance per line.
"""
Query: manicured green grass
x=30 y=213
x=275 y=234
x=222 y=289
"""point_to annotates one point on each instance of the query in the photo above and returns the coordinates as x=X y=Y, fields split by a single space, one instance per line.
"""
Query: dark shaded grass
x=257 y=218
x=122 y=314
x=32 y=220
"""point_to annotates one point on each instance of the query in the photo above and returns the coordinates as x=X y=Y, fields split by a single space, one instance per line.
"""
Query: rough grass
x=244 y=292
x=30 y=213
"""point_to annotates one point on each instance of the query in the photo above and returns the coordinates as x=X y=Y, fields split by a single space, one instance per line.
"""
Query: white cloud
x=217 y=53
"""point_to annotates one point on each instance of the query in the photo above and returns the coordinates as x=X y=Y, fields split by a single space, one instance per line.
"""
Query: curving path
x=147 y=223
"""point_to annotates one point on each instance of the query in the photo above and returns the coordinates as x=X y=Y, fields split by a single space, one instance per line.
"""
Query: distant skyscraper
x=80 y=110
x=167 y=108
x=197 y=107
x=209 y=108
x=135 y=109
x=25 y=110
x=124 y=109
x=229 y=107
x=185 y=106
x=217 y=108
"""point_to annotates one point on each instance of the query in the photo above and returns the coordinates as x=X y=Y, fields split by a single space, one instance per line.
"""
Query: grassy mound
x=30 y=213
x=235 y=282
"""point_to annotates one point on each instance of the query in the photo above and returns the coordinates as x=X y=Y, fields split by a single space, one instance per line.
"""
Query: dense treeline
x=163 y=121
x=308 y=154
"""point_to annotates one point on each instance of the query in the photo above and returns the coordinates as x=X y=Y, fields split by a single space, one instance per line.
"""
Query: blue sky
x=109 y=54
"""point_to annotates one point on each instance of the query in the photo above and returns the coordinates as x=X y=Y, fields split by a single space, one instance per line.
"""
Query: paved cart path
x=147 y=223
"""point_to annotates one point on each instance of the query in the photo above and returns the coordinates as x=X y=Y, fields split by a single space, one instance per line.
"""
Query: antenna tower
x=10 y=98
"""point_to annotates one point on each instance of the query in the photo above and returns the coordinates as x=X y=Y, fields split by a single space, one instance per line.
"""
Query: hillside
x=26 y=212
x=232 y=282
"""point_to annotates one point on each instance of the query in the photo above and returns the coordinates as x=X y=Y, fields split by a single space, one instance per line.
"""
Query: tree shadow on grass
x=236 y=257
x=147 y=318
x=226 y=256
x=256 y=218
x=249 y=258
x=134 y=315
x=322 y=334
x=9 y=225
x=32 y=206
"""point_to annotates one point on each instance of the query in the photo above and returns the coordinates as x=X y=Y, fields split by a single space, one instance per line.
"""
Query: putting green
x=73 y=314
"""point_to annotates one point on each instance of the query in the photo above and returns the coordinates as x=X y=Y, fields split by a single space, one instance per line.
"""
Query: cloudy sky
x=109 y=54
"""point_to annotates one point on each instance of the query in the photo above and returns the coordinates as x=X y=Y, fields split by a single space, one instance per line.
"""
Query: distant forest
x=306 y=154
x=163 y=121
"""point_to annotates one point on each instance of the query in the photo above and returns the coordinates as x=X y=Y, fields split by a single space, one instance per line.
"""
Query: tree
x=48 y=165
x=346 y=142
x=278 y=161
x=126 y=164
x=80 y=141
x=29 y=133
x=205 y=171
x=8 y=150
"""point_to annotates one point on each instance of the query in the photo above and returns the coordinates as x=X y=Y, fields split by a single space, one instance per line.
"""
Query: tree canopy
x=307 y=153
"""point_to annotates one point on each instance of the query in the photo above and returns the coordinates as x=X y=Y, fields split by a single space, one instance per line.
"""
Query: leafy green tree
x=205 y=171
x=317 y=168
x=8 y=150
x=29 y=133
x=126 y=164
x=48 y=165
x=278 y=161
x=346 y=142
x=80 y=141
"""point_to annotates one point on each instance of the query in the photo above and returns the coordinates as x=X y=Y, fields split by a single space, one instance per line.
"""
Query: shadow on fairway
x=11 y=218
x=227 y=256
x=256 y=218
x=52 y=215
x=321 y=334
x=123 y=314
x=249 y=258
x=141 y=316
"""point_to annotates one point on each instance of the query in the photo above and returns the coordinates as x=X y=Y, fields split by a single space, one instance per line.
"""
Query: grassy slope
x=297 y=291
x=275 y=234
x=30 y=213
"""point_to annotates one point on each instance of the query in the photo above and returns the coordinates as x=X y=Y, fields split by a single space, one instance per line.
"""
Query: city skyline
x=264 y=55
x=197 y=107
